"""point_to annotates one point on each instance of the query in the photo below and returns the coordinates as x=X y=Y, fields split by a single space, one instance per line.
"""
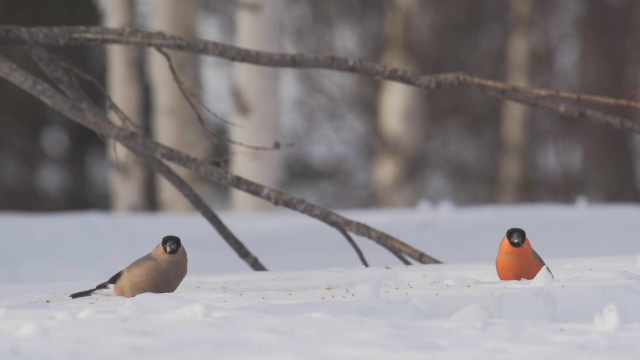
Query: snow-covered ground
x=317 y=302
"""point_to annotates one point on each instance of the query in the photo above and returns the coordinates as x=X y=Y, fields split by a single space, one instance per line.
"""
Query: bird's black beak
x=170 y=247
x=516 y=237
x=171 y=244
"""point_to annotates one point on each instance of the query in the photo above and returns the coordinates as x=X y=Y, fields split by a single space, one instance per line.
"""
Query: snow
x=318 y=302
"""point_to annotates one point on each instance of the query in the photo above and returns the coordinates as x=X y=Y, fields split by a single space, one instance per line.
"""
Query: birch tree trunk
x=174 y=122
x=255 y=93
x=513 y=129
x=129 y=180
x=401 y=120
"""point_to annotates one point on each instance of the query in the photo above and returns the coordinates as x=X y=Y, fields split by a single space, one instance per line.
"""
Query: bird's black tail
x=82 y=293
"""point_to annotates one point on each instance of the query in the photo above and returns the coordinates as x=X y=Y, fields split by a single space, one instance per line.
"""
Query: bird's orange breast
x=516 y=263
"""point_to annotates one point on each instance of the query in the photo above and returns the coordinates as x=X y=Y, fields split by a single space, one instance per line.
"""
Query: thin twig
x=189 y=96
x=401 y=258
x=187 y=93
x=355 y=247
x=110 y=104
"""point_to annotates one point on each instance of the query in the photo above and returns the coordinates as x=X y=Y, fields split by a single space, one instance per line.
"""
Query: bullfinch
x=160 y=271
x=516 y=258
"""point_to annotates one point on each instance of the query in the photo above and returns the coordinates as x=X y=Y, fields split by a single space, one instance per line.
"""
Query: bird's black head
x=171 y=244
x=516 y=237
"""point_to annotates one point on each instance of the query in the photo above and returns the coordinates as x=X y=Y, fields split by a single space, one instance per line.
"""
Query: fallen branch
x=82 y=113
x=54 y=69
x=163 y=169
x=49 y=64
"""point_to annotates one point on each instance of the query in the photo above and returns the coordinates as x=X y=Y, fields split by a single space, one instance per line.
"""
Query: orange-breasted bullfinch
x=160 y=271
x=516 y=258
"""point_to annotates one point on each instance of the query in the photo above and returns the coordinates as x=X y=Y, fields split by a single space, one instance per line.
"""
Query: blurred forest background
x=357 y=142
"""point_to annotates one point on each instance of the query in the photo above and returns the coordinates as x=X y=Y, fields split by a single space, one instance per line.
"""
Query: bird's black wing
x=112 y=281
x=542 y=261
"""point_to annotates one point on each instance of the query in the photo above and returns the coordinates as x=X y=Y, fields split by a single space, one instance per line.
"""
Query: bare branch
x=544 y=98
x=401 y=258
x=355 y=247
x=199 y=204
x=53 y=69
x=188 y=94
x=82 y=113
x=111 y=106
x=190 y=97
